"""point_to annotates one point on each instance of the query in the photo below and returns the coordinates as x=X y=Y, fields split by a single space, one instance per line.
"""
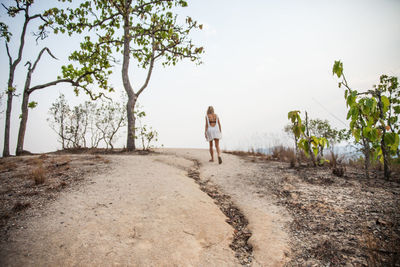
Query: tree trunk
x=6 y=149
x=62 y=132
x=386 y=166
x=366 y=151
x=311 y=152
x=130 y=107
x=297 y=150
x=22 y=125
x=10 y=88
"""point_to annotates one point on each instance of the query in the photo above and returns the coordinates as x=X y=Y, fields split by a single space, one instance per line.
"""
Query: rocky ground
x=336 y=220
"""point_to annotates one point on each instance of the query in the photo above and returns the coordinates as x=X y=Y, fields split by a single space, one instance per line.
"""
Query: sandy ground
x=145 y=211
x=237 y=178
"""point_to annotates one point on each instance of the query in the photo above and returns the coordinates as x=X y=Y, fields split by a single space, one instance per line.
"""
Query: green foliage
x=338 y=69
x=374 y=116
x=4 y=33
x=152 y=33
x=308 y=143
x=145 y=32
x=32 y=104
x=322 y=128
x=297 y=127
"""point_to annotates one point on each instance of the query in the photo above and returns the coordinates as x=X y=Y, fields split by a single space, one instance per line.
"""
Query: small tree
x=322 y=128
x=145 y=133
x=110 y=117
x=88 y=121
x=59 y=113
x=75 y=129
x=371 y=117
x=311 y=145
x=297 y=129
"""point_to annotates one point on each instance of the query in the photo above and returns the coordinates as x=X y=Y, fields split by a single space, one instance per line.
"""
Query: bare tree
x=59 y=112
x=110 y=117
x=87 y=121
x=24 y=8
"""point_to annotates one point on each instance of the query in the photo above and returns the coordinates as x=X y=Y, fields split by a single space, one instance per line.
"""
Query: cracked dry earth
x=146 y=211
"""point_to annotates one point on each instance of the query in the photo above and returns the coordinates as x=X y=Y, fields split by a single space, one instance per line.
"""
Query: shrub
x=39 y=175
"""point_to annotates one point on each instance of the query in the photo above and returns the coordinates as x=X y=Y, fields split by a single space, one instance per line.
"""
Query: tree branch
x=99 y=23
x=41 y=86
x=117 y=7
x=22 y=39
x=40 y=55
x=9 y=55
x=149 y=71
x=137 y=8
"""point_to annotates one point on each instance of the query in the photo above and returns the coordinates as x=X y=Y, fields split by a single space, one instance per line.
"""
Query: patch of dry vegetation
x=39 y=175
x=7 y=165
x=336 y=220
x=29 y=182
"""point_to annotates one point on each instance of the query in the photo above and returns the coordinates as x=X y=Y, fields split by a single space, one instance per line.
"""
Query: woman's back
x=212 y=119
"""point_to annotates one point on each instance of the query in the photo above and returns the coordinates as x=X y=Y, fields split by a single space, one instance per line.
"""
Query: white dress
x=213 y=131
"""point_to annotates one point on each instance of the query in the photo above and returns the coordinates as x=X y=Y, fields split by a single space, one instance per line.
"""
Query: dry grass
x=101 y=159
x=6 y=166
x=21 y=206
x=43 y=156
x=335 y=162
x=39 y=175
x=34 y=161
x=64 y=159
x=285 y=154
x=29 y=182
x=280 y=153
x=371 y=245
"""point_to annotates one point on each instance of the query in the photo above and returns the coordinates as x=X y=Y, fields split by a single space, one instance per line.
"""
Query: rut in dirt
x=243 y=250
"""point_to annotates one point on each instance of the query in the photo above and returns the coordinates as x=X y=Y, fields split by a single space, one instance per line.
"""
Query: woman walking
x=213 y=132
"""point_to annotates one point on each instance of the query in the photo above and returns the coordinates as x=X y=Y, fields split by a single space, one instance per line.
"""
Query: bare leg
x=218 y=150
x=211 y=151
x=217 y=147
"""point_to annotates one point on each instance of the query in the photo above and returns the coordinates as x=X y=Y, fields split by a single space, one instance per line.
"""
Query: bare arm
x=219 y=124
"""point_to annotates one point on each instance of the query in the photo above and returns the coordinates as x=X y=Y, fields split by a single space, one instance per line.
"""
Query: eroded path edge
x=243 y=250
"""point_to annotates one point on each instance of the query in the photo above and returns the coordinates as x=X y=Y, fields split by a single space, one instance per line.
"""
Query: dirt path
x=240 y=180
x=145 y=211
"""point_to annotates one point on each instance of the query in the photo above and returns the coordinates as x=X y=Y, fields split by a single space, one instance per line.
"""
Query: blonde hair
x=210 y=110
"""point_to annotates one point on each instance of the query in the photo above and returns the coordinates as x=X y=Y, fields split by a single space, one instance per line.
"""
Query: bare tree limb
x=9 y=55
x=117 y=7
x=40 y=55
x=149 y=71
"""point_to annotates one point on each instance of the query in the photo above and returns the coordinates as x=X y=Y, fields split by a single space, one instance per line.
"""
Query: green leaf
x=337 y=68
x=390 y=138
x=385 y=102
x=32 y=104
x=315 y=150
x=366 y=132
x=356 y=133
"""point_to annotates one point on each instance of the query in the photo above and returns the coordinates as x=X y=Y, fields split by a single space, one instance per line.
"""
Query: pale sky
x=262 y=59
